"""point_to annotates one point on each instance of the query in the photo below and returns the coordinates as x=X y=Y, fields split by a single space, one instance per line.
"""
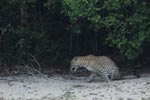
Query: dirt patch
x=63 y=88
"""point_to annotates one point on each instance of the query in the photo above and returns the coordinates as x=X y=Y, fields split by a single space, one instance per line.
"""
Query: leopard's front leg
x=106 y=77
x=92 y=76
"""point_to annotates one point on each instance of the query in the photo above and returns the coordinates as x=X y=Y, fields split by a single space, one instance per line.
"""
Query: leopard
x=97 y=65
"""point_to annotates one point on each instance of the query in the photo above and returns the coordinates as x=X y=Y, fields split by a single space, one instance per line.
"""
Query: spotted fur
x=101 y=65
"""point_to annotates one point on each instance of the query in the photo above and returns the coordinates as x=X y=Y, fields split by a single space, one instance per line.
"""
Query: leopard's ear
x=75 y=58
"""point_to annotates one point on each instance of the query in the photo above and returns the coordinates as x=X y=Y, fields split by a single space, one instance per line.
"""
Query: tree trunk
x=24 y=15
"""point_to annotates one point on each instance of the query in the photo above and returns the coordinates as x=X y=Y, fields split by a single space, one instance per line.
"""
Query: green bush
x=126 y=22
x=53 y=31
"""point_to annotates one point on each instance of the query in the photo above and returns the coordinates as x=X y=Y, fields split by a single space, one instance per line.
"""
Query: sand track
x=60 y=88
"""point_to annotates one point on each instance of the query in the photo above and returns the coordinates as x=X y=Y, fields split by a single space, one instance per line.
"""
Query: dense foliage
x=53 y=31
x=126 y=22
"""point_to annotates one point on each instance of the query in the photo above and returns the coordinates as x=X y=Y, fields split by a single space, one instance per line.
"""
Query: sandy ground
x=62 y=88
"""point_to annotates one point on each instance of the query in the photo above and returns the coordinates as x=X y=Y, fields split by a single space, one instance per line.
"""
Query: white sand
x=59 y=88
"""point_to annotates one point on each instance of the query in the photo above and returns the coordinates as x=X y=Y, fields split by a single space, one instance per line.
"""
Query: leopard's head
x=74 y=64
x=78 y=62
